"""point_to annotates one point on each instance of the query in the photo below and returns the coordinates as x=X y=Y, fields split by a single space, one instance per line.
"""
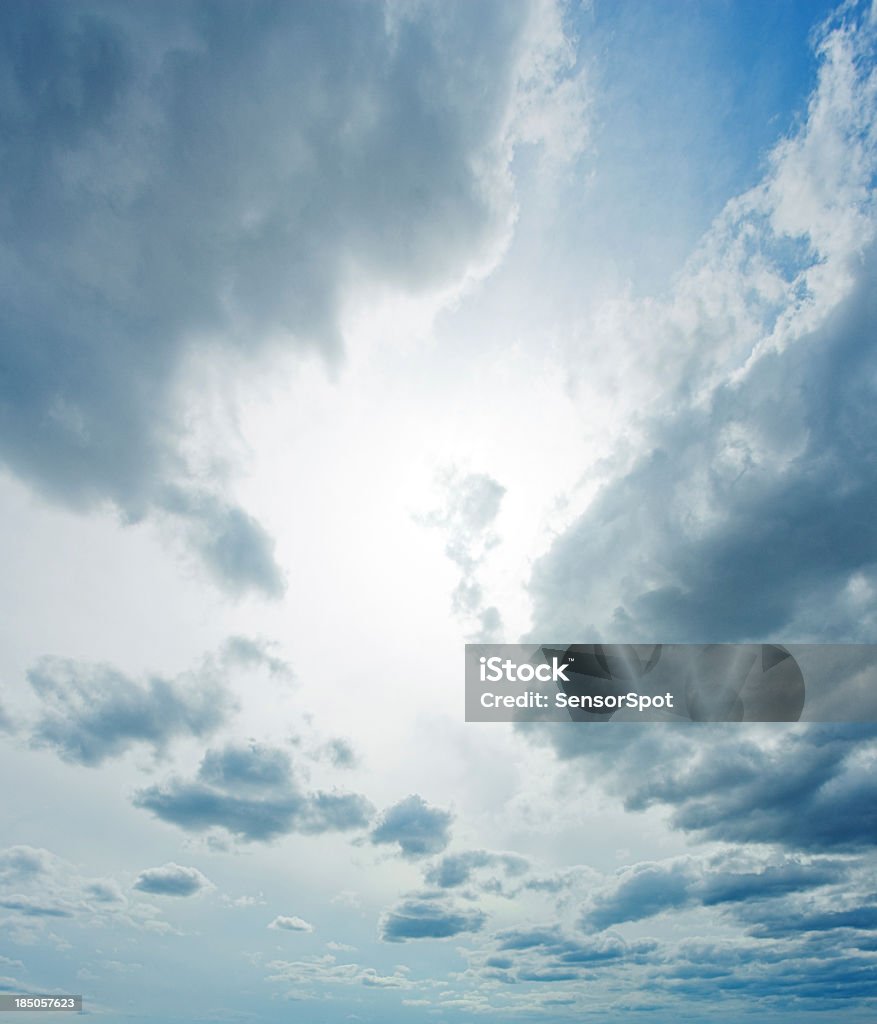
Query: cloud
x=198 y=178
x=805 y=788
x=645 y=890
x=650 y=888
x=470 y=505
x=236 y=550
x=17 y=862
x=423 y=918
x=38 y=888
x=739 y=508
x=6 y=724
x=92 y=712
x=251 y=791
x=252 y=653
x=551 y=954
x=456 y=869
x=420 y=830
x=105 y=890
x=172 y=880
x=325 y=970
x=291 y=924
x=340 y=753
x=34 y=907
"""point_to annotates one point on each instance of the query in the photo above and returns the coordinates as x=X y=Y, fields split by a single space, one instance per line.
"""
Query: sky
x=334 y=336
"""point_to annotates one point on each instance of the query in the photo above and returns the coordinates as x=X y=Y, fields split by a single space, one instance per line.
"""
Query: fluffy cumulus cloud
x=290 y=924
x=429 y=917
x=220 y=175
x=418 y=829
x=740 y=507
x=251 y=792
x=172 y=880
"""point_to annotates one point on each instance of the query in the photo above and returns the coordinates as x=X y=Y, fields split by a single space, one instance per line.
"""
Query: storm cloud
x=218 y=177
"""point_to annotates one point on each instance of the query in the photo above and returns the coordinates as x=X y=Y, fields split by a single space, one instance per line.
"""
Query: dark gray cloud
x=209 y=174
x=92 y=712
x=777 y=547
x=784 y=550
x=787 y=921
x=804 y=787
x=428 y=918
x=650 y=888
x=812 y=967
x=818 y=975
x=742 y=508
x=251 y=791
x=551 y=954
x=172 y=880
x=645 y=890
x=419 y=830
x=456 y=869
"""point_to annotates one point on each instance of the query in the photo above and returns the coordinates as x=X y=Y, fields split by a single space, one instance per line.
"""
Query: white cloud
x=291 y=924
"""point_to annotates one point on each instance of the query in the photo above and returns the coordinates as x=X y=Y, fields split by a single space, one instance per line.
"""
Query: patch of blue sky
x=689 y=99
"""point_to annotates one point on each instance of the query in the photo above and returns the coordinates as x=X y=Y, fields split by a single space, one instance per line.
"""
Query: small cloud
x=340 y=753
x=105 y=890
x=456 y=869
x=243 y=901
x=420 y=830
x=428 y=919
x=291 y=924
x=172 y=880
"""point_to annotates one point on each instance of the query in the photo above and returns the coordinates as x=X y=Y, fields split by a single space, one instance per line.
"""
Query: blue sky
x=335 y=336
